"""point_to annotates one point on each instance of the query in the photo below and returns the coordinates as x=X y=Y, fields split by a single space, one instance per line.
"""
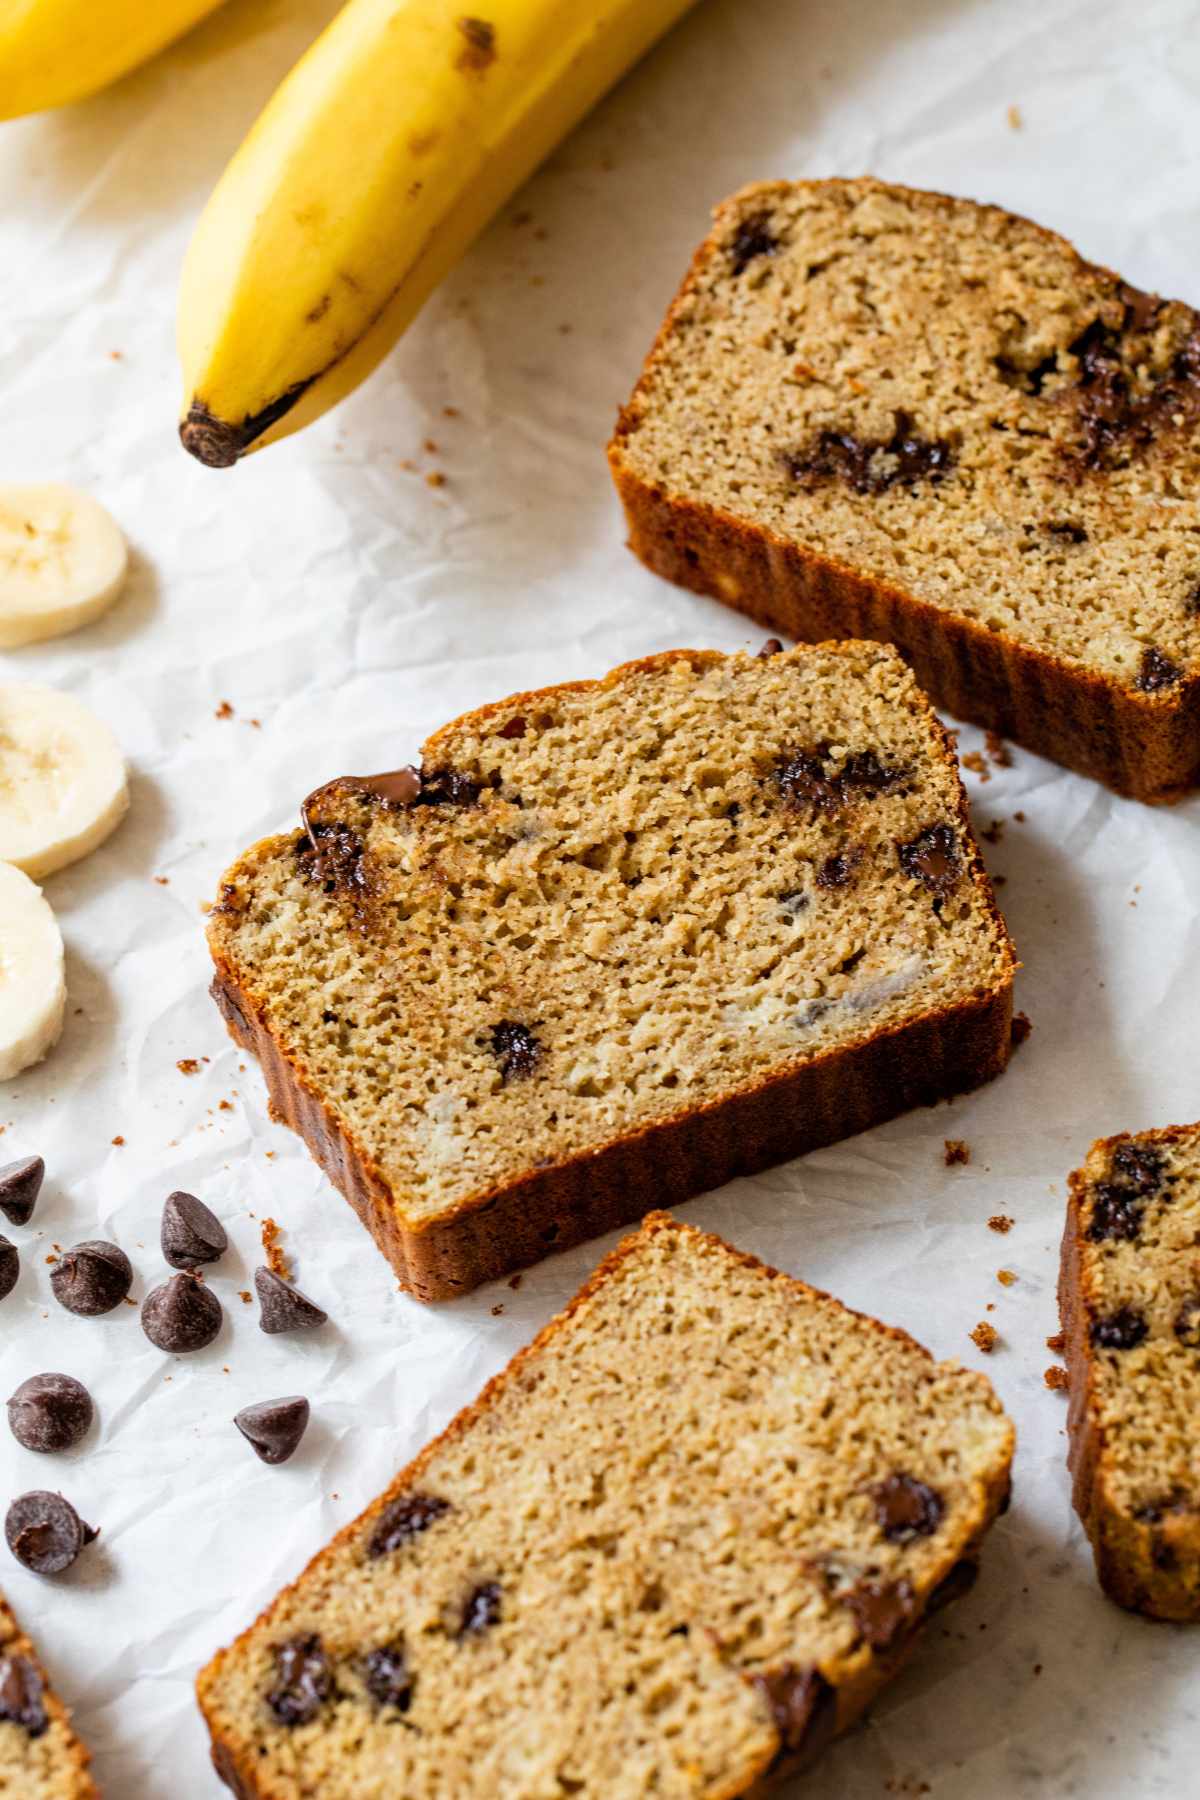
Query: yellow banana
x=55 y=51
x=374 y=166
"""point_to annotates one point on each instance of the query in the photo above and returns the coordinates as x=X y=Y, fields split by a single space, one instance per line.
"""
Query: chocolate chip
x=1141 y=309
x=397 y=787
x=447 y=787
x=91 y=1278
x=752 y=239
x=282 y=1307
x=1120 y=1330
x=959 y=1581
x=515 y=728
x=1157 y=671
x=1140 y=1166
x=872 y=465
x=807 y=778
x=803 y=1707
x=1116 y=1213
x=906 y=1508
x=932 y=858
x=274 y=1427
x=44 y=1532
x=1187 y=1322
x=481 y=1609
x=191 y=1232
x=332 y=856
x=1064 y=528
x=10 y=1267
x=20 y=1185
x=181 y=1315
x=405 y=1518
x=884 y=1610
x=50 y=1412
x=305 y=1680
x=772 y=647
x=387 y=1677
x=21 y=1692
x=516 y=1048
x=837 y=871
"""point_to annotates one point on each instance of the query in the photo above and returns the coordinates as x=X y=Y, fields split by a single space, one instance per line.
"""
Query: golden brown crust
x=1127 y=1550
x=79 y=1784
x=1140 y=744
x=853 y=1694
x=949 y=1051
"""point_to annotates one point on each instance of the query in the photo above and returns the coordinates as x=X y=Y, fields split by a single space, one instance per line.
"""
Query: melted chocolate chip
x=1157 y=672
x=191 y=1233
x=752 y=239
x=932 y=858
x=838 y=871
x=92 y=1278
x=20 y=1185
x=305 y=1680
x=481 y=1609
x=515 y=1048
x=181 y=1315
x=404 y=1519
x=884 y=1610
x=388 y=1678
x=50 y=1412
x=1141 y=309
x=447 y=787
x=803 y=1707
x=772 y=647
x=1120 y=1330
x=807 y=778
x=274 y=1427
x=44 y=1532
x=1139 y=1166
x=10 y=1267
x=1116 y=1213
x=906 y=1508
x=1187 y=1322
x=332 y=856
x=1113 y=420
x=872 y=465
x=282 y=1307
x=21 y=1691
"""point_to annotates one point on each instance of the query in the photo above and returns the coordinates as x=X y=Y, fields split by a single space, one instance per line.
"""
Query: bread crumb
x=1005 y=1277
x=450 y=412
x=435 y=479
x=430 y=447
x=985 y=1337
x=1057 y=1379
x=994 y=832
x=163 y=880
x=224 y=711
x=118 y=1141
x=1019 y=817
x=1057 y=1343
x=188 y=1065
x=955 y=1151
x=1015 y=121
x=276 y=1261
x=1000 y=1222
x=497 y=1310
x=973 y=760
x=1020 y=1030
x=244 y=1296
x=514 y=1282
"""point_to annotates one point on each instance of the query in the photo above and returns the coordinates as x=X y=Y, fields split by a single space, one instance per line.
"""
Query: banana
x=62 y=561
x=55 y=51
x=63 y=786
x=33 y=991
x=370 y=172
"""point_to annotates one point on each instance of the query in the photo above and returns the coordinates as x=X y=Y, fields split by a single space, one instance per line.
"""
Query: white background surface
x=327 y=591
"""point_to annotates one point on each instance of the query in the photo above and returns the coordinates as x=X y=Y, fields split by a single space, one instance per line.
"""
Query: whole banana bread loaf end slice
x=41 y=1758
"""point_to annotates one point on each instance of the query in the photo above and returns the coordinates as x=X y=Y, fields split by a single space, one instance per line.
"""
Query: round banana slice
x=63 y=786
x=62 y=561
x=33 y=990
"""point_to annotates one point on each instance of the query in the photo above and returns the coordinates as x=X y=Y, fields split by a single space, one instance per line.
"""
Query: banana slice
x=62 y=561
x=33 y=990
x=63 y=787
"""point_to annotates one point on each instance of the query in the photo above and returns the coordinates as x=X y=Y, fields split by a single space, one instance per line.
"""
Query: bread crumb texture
x=611 y=906
x=1130 y=1299
x=40 y=1756
x=676 y=1545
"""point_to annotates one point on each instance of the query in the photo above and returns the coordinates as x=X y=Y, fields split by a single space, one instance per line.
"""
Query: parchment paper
x=343 y=606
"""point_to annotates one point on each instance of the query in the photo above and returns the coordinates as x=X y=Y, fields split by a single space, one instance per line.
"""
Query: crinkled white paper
x=344 y=603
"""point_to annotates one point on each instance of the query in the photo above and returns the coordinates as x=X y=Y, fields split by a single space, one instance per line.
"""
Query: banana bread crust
x=859 y=1685
x=948 y=1050
x=1143 y=744
x=1135 y=1565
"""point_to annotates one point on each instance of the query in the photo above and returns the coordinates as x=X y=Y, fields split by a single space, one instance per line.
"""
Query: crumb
x=973 y=760
x=1037 y=1668
x=1000 y=1222
x=130 y=1302
x=430 y=447
x=257 y=724
x=450 y=412
x=117 y=355
x=999 y=880
x=224 y=711
x=1057 y=1343
x=496 y=1311
x=990 y=1307
x=269 y=1154
x=514 y=1282
x=955 y=1151
x=276 y=1261
x=1015 y=122
x=1019 y=817
x=985 y=1337
x=1057 y=1379
x=224 y=1368
x=435 y=479
x=188 y=1065
x=52 y=1259
x=163 y=880
x=406 y=462
x=224 y=1106
x=1005 y=1277
x=244 y=1296
x=118 y=1141
x=994 y=832
x=1021 y=1028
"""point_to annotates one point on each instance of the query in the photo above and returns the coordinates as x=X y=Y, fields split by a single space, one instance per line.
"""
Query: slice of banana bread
x=40 y=1756
x=615 y=943
x=678 y=1543
x=1129 y=1294
x=885 y=413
